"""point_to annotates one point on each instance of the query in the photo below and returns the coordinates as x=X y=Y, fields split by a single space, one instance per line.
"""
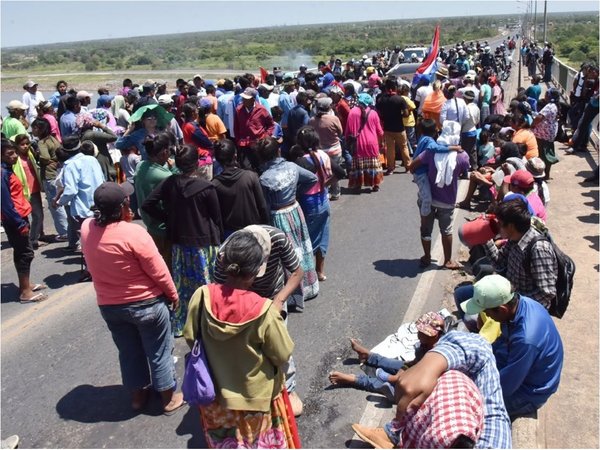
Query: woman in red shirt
x=133 y=288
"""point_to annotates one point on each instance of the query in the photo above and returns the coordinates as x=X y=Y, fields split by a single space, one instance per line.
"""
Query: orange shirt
x=526 y=136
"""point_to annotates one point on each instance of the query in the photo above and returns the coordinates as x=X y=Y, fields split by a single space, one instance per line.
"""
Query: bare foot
x=363 y=352
x=451 y=265
x=339 y=378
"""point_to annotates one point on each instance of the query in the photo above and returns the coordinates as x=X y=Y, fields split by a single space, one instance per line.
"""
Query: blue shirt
x=67 y=124
x=529 y=354
x=135 y=139
x=225 y=113
x=281 y=180
x=286 y=104
x=472 y=355
x=81 y=176
x=55 y=100
x=427 y=143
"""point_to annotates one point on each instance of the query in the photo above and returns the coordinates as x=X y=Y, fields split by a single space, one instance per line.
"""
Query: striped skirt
x=193 y=267
x=365 y=172
x=291 y=221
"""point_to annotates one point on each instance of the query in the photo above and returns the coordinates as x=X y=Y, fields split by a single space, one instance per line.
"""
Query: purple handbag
x=198 y=387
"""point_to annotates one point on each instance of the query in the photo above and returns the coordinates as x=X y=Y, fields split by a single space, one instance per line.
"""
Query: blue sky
x=26 y=22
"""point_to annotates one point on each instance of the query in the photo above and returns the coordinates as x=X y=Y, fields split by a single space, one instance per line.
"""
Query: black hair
x=179 y=82
x=7 y=144
x=157 y=143
x=428 y=127
x=391 y=83
x=188 y=111
x=463 y=441
x=267 y=149
x=228 y=85
x=186 y=158
x=21 y=137
x=514 y=212
x=127 y=82
x=509 y=150
x=43 y=125
x=301 y=97
x=484 y=137
x=61 y=82
x=276 y=113
x=349 y=89
x=225 y=151
x=210 y=89
x=308 y=141
x=87 y=148
x=103 y=91
x=61 y=155
x=244 y=82
x=71 y=103
x=193 y=91
x=242 y=255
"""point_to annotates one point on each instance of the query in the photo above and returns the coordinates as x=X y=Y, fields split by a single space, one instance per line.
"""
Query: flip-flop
x=175 y=410
x=39 y=287
x=35 y=299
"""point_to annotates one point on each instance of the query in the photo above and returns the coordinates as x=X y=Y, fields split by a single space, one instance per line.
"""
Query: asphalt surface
x=60 y=375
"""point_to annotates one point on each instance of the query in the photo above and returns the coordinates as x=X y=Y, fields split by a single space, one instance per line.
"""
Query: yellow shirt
x=410 y=120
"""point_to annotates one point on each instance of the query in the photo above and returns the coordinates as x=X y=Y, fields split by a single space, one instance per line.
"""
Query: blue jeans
x=142 y=333
x=462 y=294
x=412 y=139
x=517 y=407
x=374 y=384
x=59 y=215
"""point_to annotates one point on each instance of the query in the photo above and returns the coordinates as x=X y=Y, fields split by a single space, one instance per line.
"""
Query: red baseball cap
x=521 y=178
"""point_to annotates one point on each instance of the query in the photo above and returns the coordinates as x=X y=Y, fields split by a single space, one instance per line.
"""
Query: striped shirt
x=472 y=355
x=282 y=257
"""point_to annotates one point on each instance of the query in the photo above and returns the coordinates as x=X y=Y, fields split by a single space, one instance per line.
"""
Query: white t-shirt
x=422 y=94
x=31 y=101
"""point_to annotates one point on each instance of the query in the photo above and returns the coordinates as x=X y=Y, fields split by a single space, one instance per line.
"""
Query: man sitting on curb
x=529 y=352
x=532 y=269
x=468 y=353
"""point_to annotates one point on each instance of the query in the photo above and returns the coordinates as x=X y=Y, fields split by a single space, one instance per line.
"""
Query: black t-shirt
x=391 y=108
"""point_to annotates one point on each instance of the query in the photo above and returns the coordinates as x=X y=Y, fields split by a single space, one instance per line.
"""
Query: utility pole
x=545 y=18
x=535 y=20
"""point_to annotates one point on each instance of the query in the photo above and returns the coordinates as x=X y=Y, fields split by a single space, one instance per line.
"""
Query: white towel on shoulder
x=445 y=163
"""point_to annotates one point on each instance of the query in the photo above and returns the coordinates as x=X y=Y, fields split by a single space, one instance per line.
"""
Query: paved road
x=60 y=375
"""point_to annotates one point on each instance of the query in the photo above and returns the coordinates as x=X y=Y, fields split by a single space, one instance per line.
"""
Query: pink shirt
x=125 y=264
x=537 y=205
x=54 y=128
x=367 y=144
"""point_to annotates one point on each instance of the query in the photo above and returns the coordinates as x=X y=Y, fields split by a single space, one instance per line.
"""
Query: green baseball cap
x=489 y=292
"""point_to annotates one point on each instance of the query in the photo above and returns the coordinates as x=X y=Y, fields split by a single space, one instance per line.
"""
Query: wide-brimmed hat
x=163 y=118
x=537 y=167
x=442 y=72
x=430 y=324
x=29 y=84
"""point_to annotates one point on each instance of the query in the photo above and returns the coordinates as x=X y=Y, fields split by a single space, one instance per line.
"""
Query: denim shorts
x=444 y=217
x=142 y=333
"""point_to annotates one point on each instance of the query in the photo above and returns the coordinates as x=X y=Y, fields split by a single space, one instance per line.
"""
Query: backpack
x=564 y=281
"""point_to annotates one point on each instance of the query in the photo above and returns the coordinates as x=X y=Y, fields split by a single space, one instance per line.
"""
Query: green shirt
x=147 y=176
x=48 y=161
x=486 y=93
x=12 y=127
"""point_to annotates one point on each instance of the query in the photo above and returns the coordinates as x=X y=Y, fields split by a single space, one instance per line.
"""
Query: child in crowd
x=277 y=114
x=27 y=171
x=486 y=149
x=129 y=160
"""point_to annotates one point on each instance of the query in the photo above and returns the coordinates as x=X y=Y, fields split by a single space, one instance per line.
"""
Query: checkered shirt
x=539 y=282
x=454 y=408
x=472 y=355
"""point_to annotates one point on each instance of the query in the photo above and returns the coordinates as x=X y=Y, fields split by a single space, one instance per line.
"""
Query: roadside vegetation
x=285 y=46
x=575 y=37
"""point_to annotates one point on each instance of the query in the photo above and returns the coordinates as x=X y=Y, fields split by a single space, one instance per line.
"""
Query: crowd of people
x=232 y=181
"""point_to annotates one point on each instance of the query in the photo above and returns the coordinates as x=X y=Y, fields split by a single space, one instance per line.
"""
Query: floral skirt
x=193 y=267
x=226 y=428
x=291 y=221
x=365 y=172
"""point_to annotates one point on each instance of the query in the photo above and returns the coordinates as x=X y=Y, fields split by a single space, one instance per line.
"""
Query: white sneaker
x=10 y=442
